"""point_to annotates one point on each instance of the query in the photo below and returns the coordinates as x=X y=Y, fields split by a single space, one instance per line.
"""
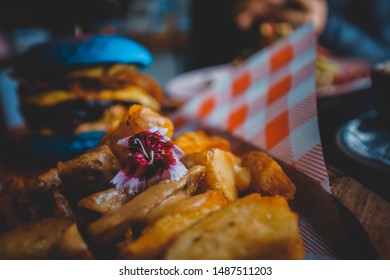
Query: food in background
x=326 y=68
x=269 y=32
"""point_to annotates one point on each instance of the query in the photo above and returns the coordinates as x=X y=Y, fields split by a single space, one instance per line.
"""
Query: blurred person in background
x=349 y=28
x=215 y=37
x=58 y=17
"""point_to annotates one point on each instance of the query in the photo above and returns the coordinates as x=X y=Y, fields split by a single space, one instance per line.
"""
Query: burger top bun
x=85 y=51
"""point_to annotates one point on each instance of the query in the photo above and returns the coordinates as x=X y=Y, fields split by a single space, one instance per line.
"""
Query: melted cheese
x=98 y=71
x=131 y=94
x=49 y=98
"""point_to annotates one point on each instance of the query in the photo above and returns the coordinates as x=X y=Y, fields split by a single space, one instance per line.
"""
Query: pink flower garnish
x=152 y=157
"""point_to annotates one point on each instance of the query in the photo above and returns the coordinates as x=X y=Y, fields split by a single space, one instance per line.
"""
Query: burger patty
x=60 y=101
x=112 y=77
x=65 y=117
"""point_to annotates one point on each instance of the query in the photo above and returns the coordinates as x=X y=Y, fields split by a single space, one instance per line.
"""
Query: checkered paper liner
x=269 y=102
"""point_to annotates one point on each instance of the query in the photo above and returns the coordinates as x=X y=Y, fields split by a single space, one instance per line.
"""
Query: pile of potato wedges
x=225 y=207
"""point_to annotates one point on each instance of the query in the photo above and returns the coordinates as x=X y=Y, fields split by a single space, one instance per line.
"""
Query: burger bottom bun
x=50 y=149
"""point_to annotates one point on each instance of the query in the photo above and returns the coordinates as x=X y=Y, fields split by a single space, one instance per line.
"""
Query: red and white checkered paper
x=269 y=101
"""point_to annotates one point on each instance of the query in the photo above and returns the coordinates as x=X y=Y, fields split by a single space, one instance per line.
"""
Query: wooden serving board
x=372 y=212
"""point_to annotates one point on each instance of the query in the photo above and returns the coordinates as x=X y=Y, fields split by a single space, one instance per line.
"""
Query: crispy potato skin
x=242 y=174
x=190 y=204
x=252 y=227
x=33 y=241
x=176 y=219
x=71 y=246
x=165 y=207
x=219 y=170
x=104 y=201
x=88 y=173
x=111 y=226
x=267 y=177
x=197 y=141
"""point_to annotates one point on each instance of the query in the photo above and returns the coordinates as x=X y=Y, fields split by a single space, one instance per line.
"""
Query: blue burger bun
x=85 y=51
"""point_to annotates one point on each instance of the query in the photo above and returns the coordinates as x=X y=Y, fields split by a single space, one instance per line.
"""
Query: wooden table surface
x=364 y=191
x=372 y=211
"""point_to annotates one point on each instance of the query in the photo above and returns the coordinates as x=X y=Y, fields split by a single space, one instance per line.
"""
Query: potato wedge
x=88 y=173
x=111 y=227
x=187 y=205
x=61 y=206
x=267 y=177
x=175 y=220
x=219 y=170
x=71 y=246
x=252 y=227
x=197 y=141
x=175 y=199
x=32 y=241
x=47 y=181
x=161 y=210
x=105 y=201
x=242 y=174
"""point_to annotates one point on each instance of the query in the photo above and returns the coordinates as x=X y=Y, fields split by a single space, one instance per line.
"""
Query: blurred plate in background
x=366 y=140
